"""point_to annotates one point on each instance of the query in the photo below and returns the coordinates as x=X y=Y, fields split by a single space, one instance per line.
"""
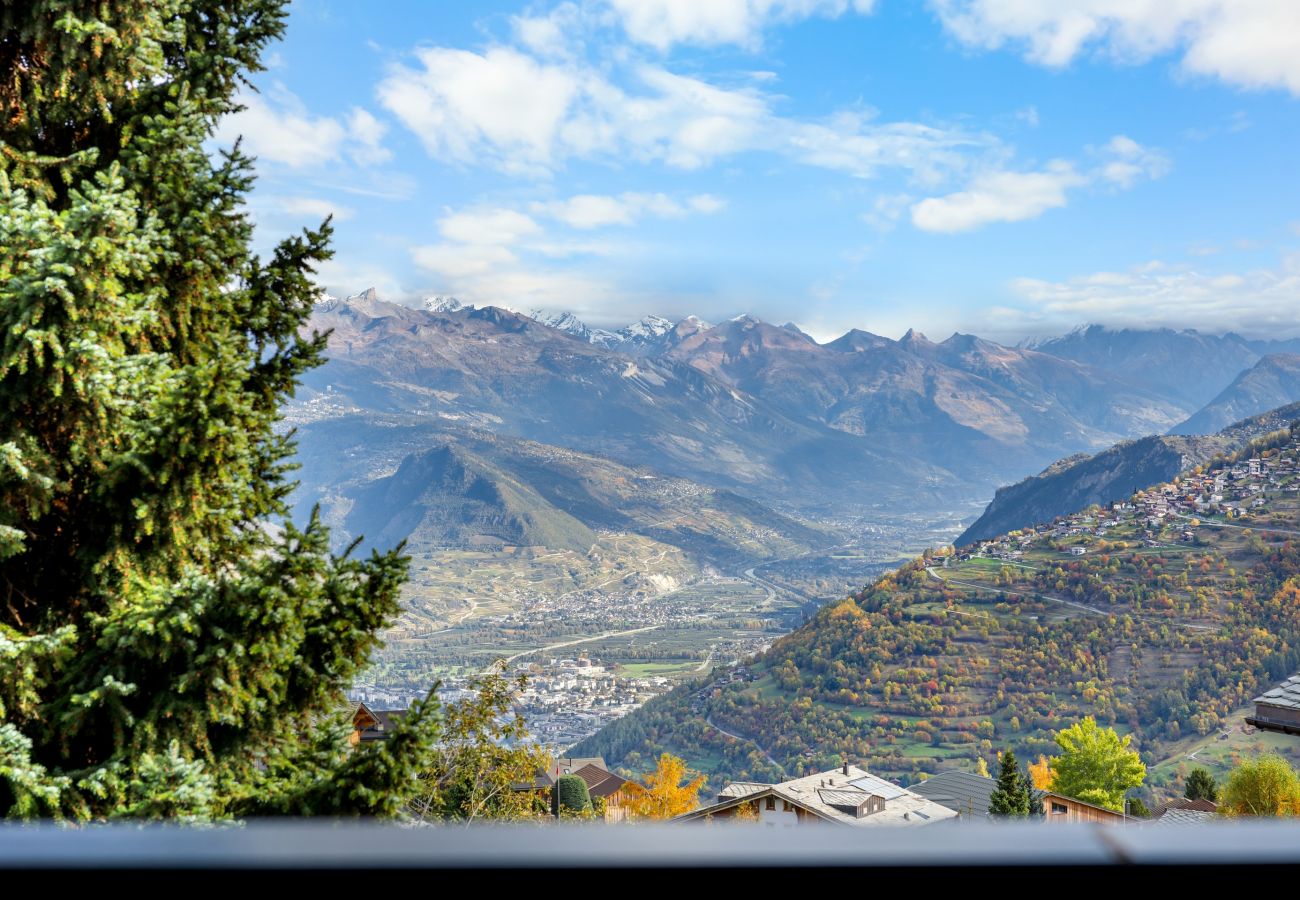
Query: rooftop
x=965 y=792
x=1286 y=694
x=850 y=796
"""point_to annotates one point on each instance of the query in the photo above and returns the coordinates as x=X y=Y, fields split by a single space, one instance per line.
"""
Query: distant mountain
x=862 y=422
x=1114 y=474
x=1183 y=365
x=436 y=482
x=1273 y=381
x=448 y=496
x=516 y=376
x=444 y=305
x=967 y=405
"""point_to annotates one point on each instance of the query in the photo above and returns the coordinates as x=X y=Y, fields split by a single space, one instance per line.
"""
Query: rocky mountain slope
x=1083 y=480
x=1272 y=382
x=859 y=423
x=947 y=661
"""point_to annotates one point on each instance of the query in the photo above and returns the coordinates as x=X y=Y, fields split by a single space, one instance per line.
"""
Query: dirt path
x=1092 y=609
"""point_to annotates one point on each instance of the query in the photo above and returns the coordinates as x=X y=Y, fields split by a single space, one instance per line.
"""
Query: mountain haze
x=1272 y=382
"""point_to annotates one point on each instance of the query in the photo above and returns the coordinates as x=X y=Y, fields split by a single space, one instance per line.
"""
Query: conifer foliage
x=169 y=644
x=1010 y=799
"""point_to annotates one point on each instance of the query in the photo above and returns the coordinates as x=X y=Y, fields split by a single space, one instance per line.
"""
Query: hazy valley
x=670 y=497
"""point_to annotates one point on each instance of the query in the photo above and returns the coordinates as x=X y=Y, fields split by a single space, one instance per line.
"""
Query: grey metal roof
x=964 y=792
x=742 y=789
x=851 y=799
x=1184 y=817
x=878 y=786
x=1286 y=694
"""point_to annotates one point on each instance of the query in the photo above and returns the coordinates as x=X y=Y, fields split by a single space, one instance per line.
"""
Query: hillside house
x=370 y=725
x=1059 y=809
x=846 y=796
x=1279 y=709
x=601 y=783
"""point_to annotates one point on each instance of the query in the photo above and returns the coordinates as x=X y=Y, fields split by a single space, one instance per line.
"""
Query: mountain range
x=860 y=423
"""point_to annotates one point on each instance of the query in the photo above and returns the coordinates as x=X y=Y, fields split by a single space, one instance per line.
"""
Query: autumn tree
x=1096 y=765
x=1009 y=799
x=665 y=792
x=1264 y=786
x=1040 y=773
x=1201 y=786
x=482 y=765
x=171 y=645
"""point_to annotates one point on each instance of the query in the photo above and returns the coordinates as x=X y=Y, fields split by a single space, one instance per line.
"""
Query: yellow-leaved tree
x=665 y=792
x=1041 y=773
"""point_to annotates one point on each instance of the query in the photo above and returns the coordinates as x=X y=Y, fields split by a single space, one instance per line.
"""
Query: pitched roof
x=600 y=783
x=1286 y=694
x=1184 y=817
x=566 y=765
x=838 y=797
x=1206 y=806
x=965 y=792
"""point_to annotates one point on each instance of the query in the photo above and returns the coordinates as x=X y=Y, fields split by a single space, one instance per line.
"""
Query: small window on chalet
x=1059 y=809
x=785 y=806
x=771 y=803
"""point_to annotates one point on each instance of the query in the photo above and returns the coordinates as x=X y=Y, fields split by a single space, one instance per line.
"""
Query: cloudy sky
x=1008 y=167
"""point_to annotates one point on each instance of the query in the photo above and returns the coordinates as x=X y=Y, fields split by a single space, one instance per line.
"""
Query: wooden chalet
x=1279 y=708
x=370 y=725
x=1060 y=809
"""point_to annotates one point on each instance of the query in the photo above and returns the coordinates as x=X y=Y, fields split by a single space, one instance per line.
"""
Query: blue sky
x=1007 y=168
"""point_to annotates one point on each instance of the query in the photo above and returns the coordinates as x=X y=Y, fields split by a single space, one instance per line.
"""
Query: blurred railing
x=329 y=853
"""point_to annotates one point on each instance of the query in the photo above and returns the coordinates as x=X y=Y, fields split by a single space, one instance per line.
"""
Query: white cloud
x=276 y=127
x=463 y=105
x=1248 y=43
x=366 y=135
x=662 y=23
x=282 y=132
x=457 y=261
x=599 y=210
x=506 y=109
x=998 y=197
x=309 y=206
x=1261 y=301
x=487 y=226
x=1002 y=196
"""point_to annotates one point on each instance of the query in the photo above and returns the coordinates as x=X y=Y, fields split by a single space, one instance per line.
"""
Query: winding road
x=585 y=640
x=740 y=737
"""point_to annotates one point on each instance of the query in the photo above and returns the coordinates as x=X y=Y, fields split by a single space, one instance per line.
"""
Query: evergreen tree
x=170 y=645
x=1201 y=786
x=572 y=798
x=1009 y=799
x=1033 y=796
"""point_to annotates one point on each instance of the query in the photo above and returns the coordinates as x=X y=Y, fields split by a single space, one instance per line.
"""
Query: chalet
x=601 y=783
x=1060 y=809
x=1279 y=708
x=369 y=725
x=1078 y=551
x=847 y=796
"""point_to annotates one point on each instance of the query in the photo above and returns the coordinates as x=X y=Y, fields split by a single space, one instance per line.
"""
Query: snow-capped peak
x=565 y=321
x=444 y=304
x=647 y=327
